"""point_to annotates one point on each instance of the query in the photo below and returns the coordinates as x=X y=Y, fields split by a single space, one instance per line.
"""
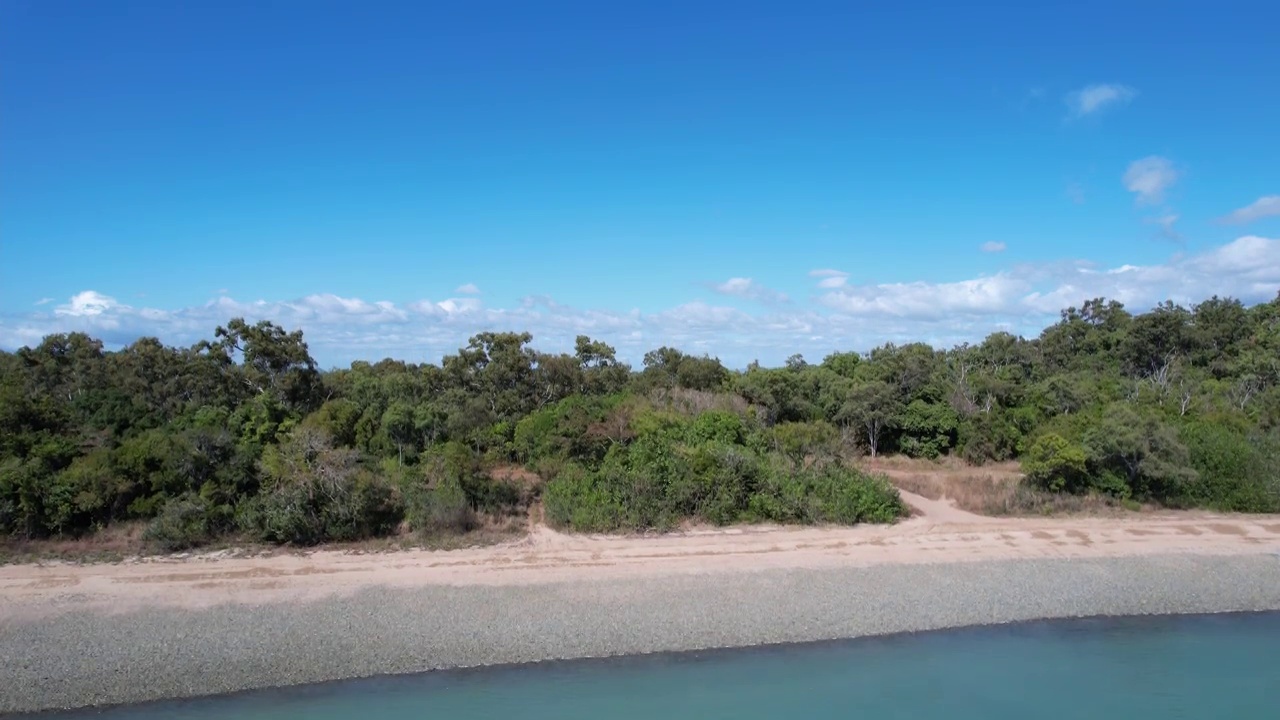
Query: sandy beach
x=75 y=635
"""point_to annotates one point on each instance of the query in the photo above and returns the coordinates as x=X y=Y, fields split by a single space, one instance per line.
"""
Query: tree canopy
x=243 y=433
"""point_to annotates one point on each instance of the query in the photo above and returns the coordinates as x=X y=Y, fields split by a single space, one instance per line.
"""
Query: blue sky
x=392 y=177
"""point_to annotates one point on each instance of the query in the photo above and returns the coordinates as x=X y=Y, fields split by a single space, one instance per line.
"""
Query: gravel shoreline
x=82 y=658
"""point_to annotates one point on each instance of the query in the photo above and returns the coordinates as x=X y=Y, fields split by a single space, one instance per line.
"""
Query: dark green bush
x=988 y=436
x=658 y=484
x=1052 y=463
x=725 y=478
x=577 y=499
x=315 y=493
x=572 y=428
x=440 y=509
x=1237 y=471
x=825 y=493
x=802 y=441
x=183 y=523
x=927 y=430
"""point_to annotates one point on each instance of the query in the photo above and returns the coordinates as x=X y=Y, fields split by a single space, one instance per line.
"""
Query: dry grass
x=515 y=474
x=112 y=544
x=995 y=490
x=693 y=402
x=947 y=464
x=925 y=484
x=488 y=533
x=124 y=542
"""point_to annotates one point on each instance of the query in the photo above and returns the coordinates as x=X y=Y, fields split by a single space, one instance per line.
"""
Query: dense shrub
x=988 y=436
x=1053 y=463
x=306 y=513
x=581 y=500
x=573 y=427
x=314 y=493
x=716 y=483
x=440 y=509
x=669 y=475
x=1177 y=406
x=826 y=493
x=183 y=523
x=1138 y=454
x=1237 y=471
x=928 y=430
x=802 y=441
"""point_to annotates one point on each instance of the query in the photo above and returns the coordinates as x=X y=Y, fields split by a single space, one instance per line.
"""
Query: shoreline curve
x=78 y=657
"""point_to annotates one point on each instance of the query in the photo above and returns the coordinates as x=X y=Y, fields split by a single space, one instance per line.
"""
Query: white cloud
x=992 y=246
x=1166 y=224
x=468 y=289
x=924 y=300
x=451 y=306
x=1248 y=268
x=1265 y=206
x=1149 y=178
x=43 y=301
x=749 y=289
x=329 y=305
x=1020 y=299
x=88 y=304
x=830 y=278
x=1096 y=98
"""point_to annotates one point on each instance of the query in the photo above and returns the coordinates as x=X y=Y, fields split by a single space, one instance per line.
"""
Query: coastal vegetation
x=244 y=436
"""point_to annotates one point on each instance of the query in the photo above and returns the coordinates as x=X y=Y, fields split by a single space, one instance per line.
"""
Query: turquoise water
x=1222 y=666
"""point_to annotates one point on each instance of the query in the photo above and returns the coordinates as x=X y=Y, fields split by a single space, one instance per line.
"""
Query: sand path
x=940 y=533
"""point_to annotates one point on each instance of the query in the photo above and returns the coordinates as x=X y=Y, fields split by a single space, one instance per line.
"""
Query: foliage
x=928 y=430
x=1178 y=406
x=1054 y=463
x=184 y=522
x=439 y=507
x=1139 y=449
x=314 y=493
x=873 y=407
x=718 y=469
x=1237 y=470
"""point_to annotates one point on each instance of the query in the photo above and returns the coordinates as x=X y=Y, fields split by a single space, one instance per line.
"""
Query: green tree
x=927 y=429
x=1142 y=450
x=874 y=407
x=398 y=424
x=275 y=362
x=602 y=373
x=844 y=364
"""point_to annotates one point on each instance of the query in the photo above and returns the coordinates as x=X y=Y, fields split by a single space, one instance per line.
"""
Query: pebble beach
x=82 y=657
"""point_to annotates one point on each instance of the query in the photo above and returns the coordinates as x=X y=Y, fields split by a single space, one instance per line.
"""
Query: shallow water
x=1217 y=666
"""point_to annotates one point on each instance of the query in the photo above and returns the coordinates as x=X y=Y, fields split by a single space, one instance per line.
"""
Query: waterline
x=1140 y=667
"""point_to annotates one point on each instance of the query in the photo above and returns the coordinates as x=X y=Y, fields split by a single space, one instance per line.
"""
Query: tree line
x=243 y=435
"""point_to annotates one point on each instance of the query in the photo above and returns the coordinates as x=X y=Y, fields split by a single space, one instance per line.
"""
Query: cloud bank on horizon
x=839 y=314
